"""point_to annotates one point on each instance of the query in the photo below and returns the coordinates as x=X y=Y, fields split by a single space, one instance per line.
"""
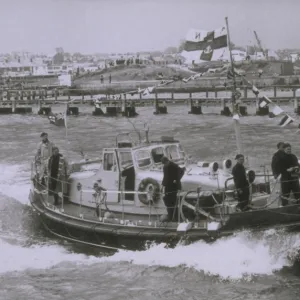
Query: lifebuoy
x=149 y=185
x=251 y=176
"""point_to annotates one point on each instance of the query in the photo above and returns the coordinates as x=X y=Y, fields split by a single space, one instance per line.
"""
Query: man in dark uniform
x=289 y=170
x=277 y=157
x=241 y=182
x=58 y=171
x=172 y=184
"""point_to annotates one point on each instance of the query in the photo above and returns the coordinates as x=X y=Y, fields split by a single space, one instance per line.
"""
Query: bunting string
x=265 y=101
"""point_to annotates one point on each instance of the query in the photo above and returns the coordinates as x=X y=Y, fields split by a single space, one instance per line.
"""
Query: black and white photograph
x=149 y=150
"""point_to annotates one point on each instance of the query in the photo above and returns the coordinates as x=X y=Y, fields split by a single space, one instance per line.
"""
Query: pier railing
x=76 y=96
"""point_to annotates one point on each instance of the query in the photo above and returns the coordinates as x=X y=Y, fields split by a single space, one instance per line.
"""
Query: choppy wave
x=15 y=181
x=234 y=257
x=18 y=258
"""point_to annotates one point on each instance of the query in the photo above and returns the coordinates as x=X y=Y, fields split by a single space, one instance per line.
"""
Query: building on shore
x=16 y=68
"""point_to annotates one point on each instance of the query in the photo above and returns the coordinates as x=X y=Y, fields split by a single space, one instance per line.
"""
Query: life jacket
x=45 y=150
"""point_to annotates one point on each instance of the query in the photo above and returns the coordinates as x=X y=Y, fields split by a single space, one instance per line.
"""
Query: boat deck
x=89 y=214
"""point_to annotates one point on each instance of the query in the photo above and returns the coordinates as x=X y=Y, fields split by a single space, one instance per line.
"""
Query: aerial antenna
x=135 y=129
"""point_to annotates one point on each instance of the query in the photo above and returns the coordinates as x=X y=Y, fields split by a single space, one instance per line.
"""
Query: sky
x=120 y=26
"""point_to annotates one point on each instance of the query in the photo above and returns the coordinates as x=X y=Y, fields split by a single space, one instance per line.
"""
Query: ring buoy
x=149 y=185
x=251 y=176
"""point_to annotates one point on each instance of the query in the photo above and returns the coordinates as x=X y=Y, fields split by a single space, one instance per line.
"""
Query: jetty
x=21 y=101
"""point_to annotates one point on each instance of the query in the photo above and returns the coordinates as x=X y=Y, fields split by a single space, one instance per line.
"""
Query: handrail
x=115 y=192
x=231 y=178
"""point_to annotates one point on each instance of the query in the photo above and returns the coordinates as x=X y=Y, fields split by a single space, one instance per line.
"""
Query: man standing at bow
x=58 y=174
x=44 y=151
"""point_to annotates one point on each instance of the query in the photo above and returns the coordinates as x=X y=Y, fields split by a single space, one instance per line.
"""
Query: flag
x=148 y=91
x=193 y=77
x=255 y=90
x=165 y=82
x=277 y=110
x=197 y=76
x=286 y=120
x=187 y=79
x=236 y=117
x=263 y=101
x=203 y=45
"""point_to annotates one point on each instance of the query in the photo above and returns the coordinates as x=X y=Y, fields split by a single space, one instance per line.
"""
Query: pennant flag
x=148 y=91
x=264 y=101
x=187 y=79
x=236 y=117
x=277 y=110
x=203 y=45
x=286 y=120
x=197 y=76
x=255 y=90
x=165 y=82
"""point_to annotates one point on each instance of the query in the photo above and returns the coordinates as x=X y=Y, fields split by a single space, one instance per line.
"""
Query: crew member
x=276 y=159
x=172 y=184
x=58 y=171
x=241 y=183
x=289 y=170
x=44 y=151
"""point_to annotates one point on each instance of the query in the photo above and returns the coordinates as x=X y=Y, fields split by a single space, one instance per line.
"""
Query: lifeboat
x=116 y=200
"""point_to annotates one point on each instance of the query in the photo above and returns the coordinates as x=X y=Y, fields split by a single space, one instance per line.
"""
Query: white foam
x=15 y=181
x=17 y=258
x=230 y=258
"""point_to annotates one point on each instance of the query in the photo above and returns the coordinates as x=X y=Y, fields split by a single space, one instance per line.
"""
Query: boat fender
x=149 y=185
x=214 y=166
x=251 y=176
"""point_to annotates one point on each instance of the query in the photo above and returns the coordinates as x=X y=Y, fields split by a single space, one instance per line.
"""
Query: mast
x=235 y=109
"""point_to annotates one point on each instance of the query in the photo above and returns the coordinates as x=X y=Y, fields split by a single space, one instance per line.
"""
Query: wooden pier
x=22 y=101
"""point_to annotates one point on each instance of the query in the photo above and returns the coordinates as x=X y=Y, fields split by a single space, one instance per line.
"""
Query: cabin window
x=157 y=154
x=175 y=153
x=109 y=163
x=143 y=158
x=125 y=159
x=181 y=151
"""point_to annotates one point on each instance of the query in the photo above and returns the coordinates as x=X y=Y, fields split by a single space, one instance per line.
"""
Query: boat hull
x=111 y=234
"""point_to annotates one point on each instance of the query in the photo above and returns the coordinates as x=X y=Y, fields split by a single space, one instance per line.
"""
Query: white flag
x=264 y=101
x=255 y=90
x=236 y=117
x=286 y=120
x=187 y=79
x=148 y=91
x=277 y=110
x=196 y=76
